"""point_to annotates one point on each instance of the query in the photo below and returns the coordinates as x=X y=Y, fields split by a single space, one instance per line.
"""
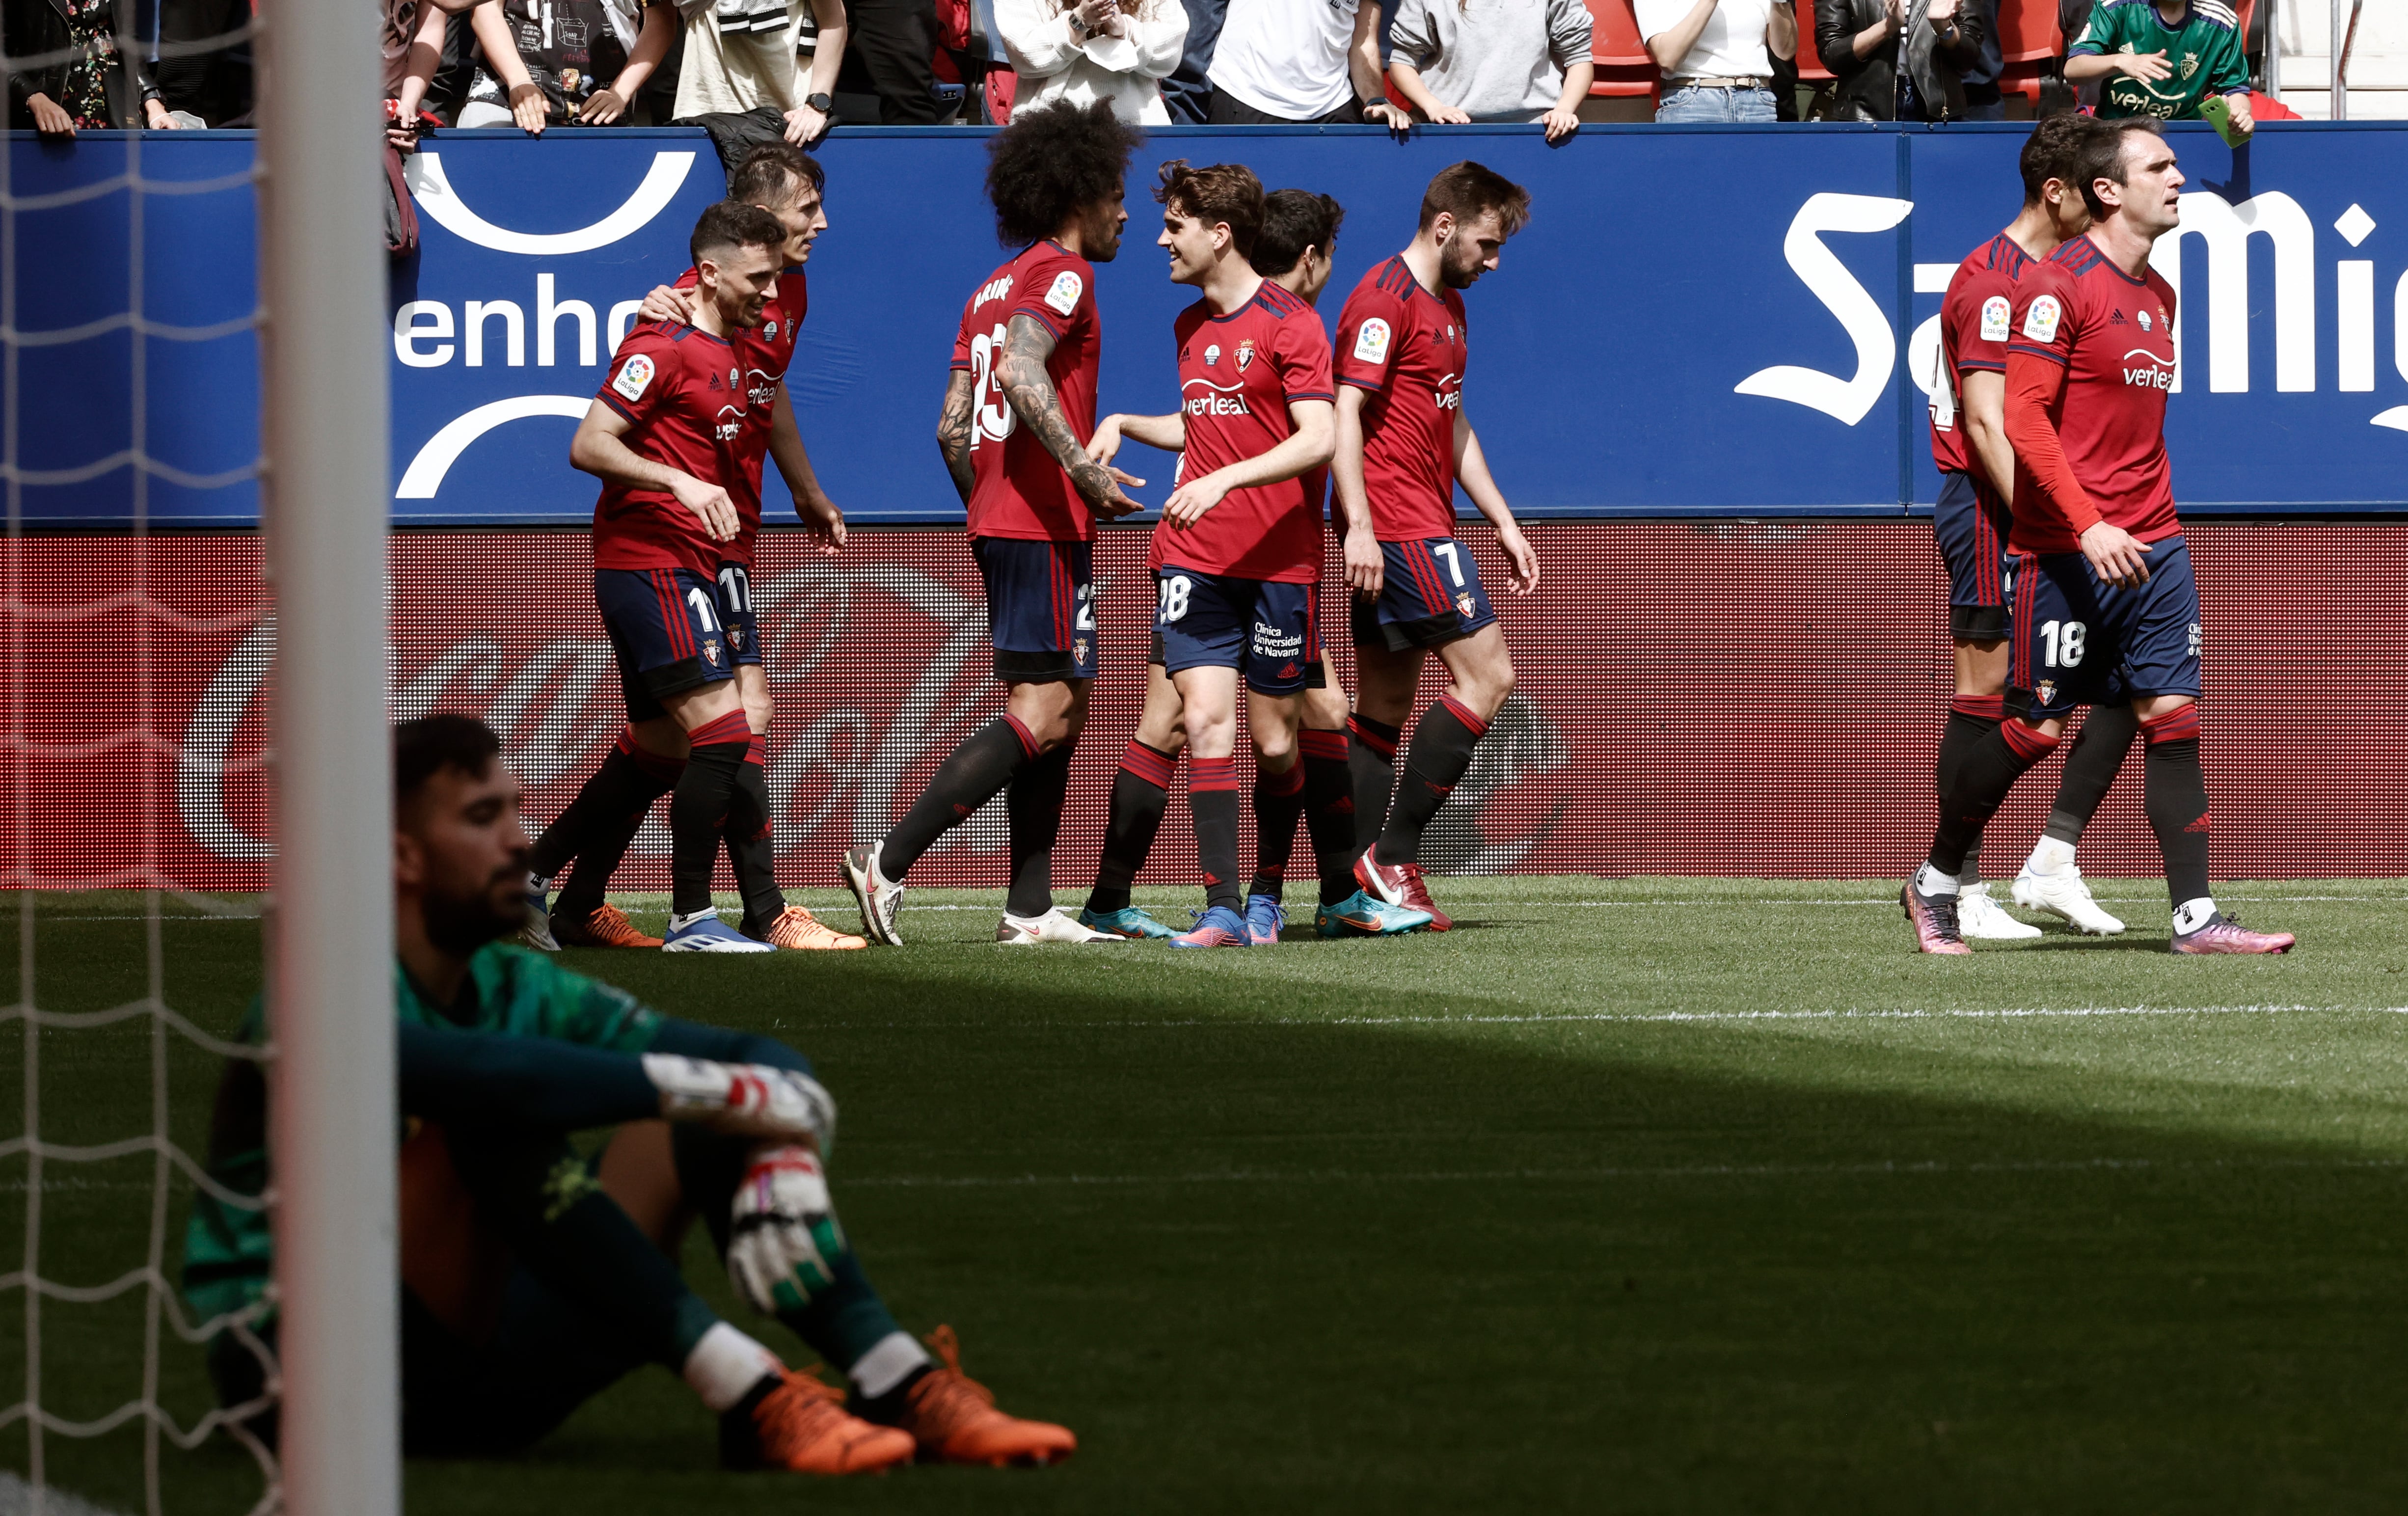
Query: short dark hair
x=727 y=225
x=2053 y=151
x=2102 y=155
x=1467 y=190
x=769 y=174
x=1293 y=220
x=1217 y=195
x=426 y=746
x=1049 y=163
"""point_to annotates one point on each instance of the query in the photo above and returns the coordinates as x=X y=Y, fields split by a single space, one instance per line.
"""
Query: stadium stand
x=1624 y=71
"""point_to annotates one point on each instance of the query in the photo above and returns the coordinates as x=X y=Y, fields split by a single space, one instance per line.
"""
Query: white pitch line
x=1633 y=1018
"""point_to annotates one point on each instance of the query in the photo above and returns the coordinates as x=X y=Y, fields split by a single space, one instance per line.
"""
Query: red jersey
x=2114 y=335
x=1238 y=376
x=1019 y=490
x=1975 y=319
x=1408 y=347
x=683 y=390
x=766 y=351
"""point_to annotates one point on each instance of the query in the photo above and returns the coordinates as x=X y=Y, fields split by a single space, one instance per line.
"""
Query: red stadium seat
x=1809 y=63
x=1620 y=58
x=2028 y=42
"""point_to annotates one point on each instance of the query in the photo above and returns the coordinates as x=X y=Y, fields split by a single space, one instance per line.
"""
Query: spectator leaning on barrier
x=741 y=58
x=1085 y=51
x=563 y=62
x=1299 y=61
x=1898 y=60
x=2162 y=59
x=102 y=86
x=1461 y=61
x=1717 y=55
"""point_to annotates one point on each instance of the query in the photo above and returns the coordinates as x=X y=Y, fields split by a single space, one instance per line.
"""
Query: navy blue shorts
x=1218 y=620
x=736 y=612
x=2079 y=642
x=665 y=631
x=1040 y=609
x=1429 y=595
x=1971 y=524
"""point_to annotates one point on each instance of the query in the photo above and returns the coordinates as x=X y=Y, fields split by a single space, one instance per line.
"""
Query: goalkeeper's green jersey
x=2204 y=52
x=511 y=991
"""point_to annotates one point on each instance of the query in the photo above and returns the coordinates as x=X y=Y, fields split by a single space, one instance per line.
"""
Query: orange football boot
x=607 y=927
x=798 y=928
x=801 y=1426
x=954 y=1420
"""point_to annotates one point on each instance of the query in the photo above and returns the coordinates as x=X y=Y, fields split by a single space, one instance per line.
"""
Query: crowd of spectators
x=756 y=70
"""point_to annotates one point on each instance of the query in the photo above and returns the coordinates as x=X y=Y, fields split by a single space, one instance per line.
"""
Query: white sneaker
x=1051 y=927
x=881 y=900
x=2064 y=894
x=1979 y=916
x=536 y=930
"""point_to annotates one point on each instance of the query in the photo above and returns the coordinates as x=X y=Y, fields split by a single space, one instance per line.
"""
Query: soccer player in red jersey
x=2106 y=608
x=1403 y=444
x=1017 y=413
x=667 y=437
x=787 y=183
x=1969 y=443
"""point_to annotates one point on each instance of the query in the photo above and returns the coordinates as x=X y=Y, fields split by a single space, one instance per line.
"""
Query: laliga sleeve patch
x=635 y=377
x=2040 y=321
x=1996 y=319
x=1371 y=342
x=1064 y=295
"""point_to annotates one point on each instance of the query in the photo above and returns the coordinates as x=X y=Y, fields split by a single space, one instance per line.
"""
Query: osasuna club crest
x=1245 y=353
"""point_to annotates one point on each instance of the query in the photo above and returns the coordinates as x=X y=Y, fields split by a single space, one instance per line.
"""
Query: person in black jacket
x=1898 y=60
x=93 y=76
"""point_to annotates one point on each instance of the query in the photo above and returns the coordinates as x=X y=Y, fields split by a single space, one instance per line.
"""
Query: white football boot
x=2059 y=891
x=879 y=899
x=1979 y=916
x=1053 y=926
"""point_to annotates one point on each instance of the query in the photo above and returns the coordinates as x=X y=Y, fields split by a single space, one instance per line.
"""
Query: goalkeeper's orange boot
x=606 y=927
x=954 y=1419
x=799 y=929
x=800 y=1425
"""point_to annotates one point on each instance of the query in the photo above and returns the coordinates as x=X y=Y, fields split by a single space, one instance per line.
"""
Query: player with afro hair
x=1048 y=164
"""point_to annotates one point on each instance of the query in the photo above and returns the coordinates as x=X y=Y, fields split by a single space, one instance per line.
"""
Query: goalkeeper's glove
x=744 y=1099
x=782 y=1239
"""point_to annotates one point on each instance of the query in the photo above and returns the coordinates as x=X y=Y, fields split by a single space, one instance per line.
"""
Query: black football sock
x=1970 y=718
x=751 y=843
x=1441 y=751
x=629 y=780
x=2175 y=797
x=1035 y=799
x=1278 y=805
x=1372 y=761
x=2091 y=765
x=1140 y=794
x=975 y=774
x=589 y=877
x=1985 y=774
x=1212 y=796
x=1330 y=811
x=698 y=808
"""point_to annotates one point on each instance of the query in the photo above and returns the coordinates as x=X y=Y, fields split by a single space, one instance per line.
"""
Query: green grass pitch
x=1633 y=1196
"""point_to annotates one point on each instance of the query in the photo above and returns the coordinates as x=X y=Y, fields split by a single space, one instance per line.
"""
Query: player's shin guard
x=1970 y=718
x=1984 y=777
x=1373 y=765
x=1278 y=805
x=752 y=846
x=975 y=774
x=1441 y=751
x=2176 y=798
x=1212 y=796
x=698 y=808
x=2091 y=765
x=628 y=781
x=1140 y=794
x=1034 y=800
x=1330 y=811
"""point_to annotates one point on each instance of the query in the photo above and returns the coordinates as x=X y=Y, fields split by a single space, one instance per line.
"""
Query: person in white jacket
x=1084 y=51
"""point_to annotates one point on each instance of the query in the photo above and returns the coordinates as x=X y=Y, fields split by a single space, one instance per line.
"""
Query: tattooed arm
x=1027 y=345
x=954 y=432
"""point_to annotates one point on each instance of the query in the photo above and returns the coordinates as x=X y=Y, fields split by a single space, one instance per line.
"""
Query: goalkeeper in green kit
x=2164 y=58
x=533 y=1277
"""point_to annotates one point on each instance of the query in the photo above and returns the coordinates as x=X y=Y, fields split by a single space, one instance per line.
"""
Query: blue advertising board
x=1697 y=321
